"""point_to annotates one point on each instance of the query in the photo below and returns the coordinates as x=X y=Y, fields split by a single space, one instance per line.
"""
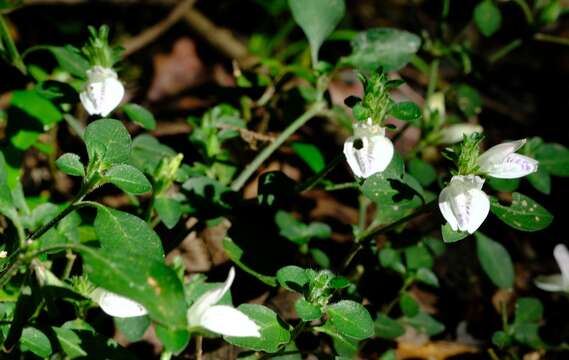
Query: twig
x=153 y=32
x=220 y=38
x=313 y=111
x=199 y=348
x=247 y=134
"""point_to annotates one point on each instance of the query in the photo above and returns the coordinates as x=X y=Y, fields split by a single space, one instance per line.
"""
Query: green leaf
x=147 y=153
x=140 y=115
x=390 y=258
x=501 y=339
x=450 y=236
x=24 y=139
x=174 y=340
x=469 y=100
x=427 y=276
x=133 y=328
x=274 y=331
x=345 y=346
x=169 y=210
x=292 y=278
x=422 y=171
x=70 y=342
x=554 y=158
x=387 y=328
x=70 y=59
x=35 y=341
x=8 y=50
x=390 y=48
x=320 y=258
x=540 y=180
x=6 y=204
x=120 y=232
x=70 y=164
x=307 y=311
x=528 y=310
x=418 y=257
x=495 y=261
x=143 y=279
x=408 y=111
x=487 y=17
x=36 y=106
x=504 y=185
x=107 y=141
x=235 y=253
x=426 y=323
x=317 y=18
x=298 y=232
x=128 y=178
x=310 y=154
x=351 y=319
x=523 y=213
x=408 y=305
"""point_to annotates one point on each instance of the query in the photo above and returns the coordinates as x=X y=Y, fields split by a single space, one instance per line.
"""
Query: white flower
x=221 y=319
x=453 y=134
x=103 y=91
x=502 y=162
x=557 y=282
x=116 y=305
x=3 y=254
x=463 y=203
x=369 y=151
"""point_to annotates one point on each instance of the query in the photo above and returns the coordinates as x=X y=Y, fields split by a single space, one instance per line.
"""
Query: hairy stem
x=314 y=110
x=373 y=231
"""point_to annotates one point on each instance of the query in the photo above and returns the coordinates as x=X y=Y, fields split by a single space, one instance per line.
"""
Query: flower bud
x=103 y=91
x=453 y=134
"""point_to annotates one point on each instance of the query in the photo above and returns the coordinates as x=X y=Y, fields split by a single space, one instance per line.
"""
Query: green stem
x=373 y=231
x=313 y=180
x=69 y=264
x=551 y=39
x=446 y=8
x=408 y=282
x=314 y=110
x=342 y=186
x=45 y=228
x=526 y=9
x=433 y=77
x=513 y=45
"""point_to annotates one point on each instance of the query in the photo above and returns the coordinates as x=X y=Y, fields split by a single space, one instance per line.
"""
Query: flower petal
x=209 y=299
x=463 y=204
x=444 y=206
x=118 y=306
x=453 y=134
x=561 y=255
x=113 y=92
x=514 y=166
x=498 y=153
x=368 y=155
x=226 y=320
x=550 y=282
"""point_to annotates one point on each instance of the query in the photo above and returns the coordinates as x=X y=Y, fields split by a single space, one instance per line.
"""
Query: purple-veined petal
x=463 y=204
x=498 y=153
x=514 y=166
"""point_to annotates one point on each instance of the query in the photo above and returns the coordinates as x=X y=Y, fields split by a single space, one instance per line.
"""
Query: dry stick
x=153 y=32
x=220 y=38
